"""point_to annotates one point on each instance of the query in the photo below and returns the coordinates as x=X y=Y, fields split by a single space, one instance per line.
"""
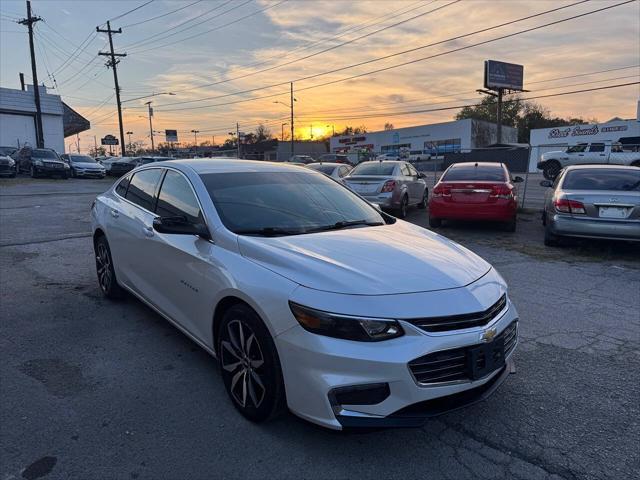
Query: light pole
x=195 y=140
x=148 y=104
x=333 y=130
x=293 y=99
x=282 y=131
x=130 y=147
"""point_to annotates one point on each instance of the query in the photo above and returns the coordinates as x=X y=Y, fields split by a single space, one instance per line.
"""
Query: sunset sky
x=230 y=43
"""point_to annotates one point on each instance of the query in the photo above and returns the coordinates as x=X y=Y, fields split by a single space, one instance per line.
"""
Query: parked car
x=594 y=201
x=301 y=159
x=7 y=164
x=392 y=185
x=336 y=158
x=475 y=191
x=586 y=153
x=334 y=170
x=308 y=296
x=118 y=166
x=419 y=155
x=388 y=156
x=153 y=159
x=41 y=162
x=83 y=165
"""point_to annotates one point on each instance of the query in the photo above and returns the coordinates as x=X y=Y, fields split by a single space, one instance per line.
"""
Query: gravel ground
x=96 y=389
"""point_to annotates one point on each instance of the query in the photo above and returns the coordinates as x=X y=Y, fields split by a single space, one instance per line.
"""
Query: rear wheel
x=511 y=225
x=435 y=222
x=550 y=240
x=551 y=169
x=425 y=197
x=404 y=206
x=104 y=269
x=250 y=365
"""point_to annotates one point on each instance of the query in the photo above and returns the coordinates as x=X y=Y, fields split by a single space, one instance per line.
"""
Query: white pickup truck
x=586 y=153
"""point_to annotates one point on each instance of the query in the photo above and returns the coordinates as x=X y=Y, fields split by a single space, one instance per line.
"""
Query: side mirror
x=546 y=183
x=518 y=179
x=421 y=175
x=180 y=226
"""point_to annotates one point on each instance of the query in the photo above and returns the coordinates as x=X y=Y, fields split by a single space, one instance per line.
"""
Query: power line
x=160 y=16
x=130 y=11
x=308 y=77
x=219 y=27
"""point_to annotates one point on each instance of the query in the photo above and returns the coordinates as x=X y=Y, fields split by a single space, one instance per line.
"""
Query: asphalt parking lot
x=96 y=389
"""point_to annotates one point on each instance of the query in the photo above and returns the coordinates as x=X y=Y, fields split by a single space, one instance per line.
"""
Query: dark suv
x=7 y=164
x=41 y=162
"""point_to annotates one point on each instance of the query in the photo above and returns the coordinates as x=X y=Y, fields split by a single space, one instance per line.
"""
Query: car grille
x=52 y=165
x=457 y=322
x=455 y=365
x=4 y=167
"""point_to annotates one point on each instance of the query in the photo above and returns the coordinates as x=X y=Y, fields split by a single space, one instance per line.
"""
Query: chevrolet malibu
x=309 y=297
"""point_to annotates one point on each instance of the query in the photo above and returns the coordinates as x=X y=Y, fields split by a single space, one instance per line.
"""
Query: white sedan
x=308 y=296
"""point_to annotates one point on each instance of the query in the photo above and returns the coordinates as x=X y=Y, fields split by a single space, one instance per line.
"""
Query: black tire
x=551 y=169
x=32 y=172
x=425 y=199
x=544 y=218
x=435 y=222
x=550 y=240
x=250 y=365
x=104 y=269
x=511 y=225
x=404 y=206
x=635 y=163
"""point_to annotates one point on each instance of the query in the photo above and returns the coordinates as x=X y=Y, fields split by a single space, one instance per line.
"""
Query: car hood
x=87 y=165
x=390 y=259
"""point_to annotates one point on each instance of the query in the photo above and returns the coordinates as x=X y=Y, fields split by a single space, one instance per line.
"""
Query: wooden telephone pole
x=29 y=21
x=112 y=62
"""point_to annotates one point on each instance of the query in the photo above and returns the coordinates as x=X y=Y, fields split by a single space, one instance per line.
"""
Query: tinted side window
x=176 y=199
x=142 y=188
x=596 y=147
x=121 y=188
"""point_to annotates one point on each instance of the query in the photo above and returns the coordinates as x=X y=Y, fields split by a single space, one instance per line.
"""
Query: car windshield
x=486 y=173
x=581 y=147
x=600 y=179
x=49 y=154
x=6 y=151
x=285 y=203
x=326 y=169
x=374 y=168
x=81 y=159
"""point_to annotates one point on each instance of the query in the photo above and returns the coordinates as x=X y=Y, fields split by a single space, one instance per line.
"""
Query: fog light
x=370 y=394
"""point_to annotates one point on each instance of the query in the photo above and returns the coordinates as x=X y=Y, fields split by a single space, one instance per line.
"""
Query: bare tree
x=388 y=126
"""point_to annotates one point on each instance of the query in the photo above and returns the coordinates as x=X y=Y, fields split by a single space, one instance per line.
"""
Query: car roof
x=477 y=164
x=600 y=167
x=395 y=162
x=226 y=165
x=328 y=164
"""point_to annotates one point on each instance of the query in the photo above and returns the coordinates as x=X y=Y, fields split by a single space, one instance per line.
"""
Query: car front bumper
x=90 y=173
x=567 y=225
x=315 y=366
x=44 y=170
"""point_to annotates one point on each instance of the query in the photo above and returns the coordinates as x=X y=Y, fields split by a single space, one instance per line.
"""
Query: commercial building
x=18 y=119
x=432 y=140
x=544 y=140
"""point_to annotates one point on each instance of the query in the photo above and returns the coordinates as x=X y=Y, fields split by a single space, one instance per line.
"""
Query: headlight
x=66 y=165
x=363 y=329
x=37 y=162
x=11 y=162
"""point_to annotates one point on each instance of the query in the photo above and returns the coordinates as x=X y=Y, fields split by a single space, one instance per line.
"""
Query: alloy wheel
x=241 y=355
x=103 y=266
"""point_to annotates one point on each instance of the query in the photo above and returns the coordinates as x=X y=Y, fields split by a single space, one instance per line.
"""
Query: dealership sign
x=499 y=75
x=171 y=135
x=108 y=140
x=580 y=131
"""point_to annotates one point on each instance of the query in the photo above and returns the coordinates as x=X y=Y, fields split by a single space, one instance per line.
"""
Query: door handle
x=148 y=231
x=115 y=213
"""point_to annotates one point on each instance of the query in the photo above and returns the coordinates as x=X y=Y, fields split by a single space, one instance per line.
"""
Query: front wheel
x=425 y=196
x=104 y=269
x=250 y=365
x=551 y=169
x=32 y=172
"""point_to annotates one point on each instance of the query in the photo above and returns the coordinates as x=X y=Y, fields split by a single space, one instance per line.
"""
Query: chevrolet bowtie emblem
x=488 y=335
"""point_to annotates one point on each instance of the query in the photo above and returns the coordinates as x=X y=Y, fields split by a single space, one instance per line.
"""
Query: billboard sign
x=171 y=135
x=503 y=75
x=108 y=140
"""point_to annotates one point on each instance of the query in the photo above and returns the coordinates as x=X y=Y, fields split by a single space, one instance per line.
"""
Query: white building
x=18 y=119
x=434 y=139
x=558 y=138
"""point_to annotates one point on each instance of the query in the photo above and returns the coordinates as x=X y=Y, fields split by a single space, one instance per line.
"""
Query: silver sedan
x=393 y=185
x=336 y=171
x=593 y=201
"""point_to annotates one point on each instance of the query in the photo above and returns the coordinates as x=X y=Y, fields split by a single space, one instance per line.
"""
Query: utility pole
x=148 y=104
x=29 y=21
x=130 y=144
x=195 y=140
x=291 y=121
x=499 y=117
x=238 y=139
x=112 y=63
x=78 y=141
x=95 y=146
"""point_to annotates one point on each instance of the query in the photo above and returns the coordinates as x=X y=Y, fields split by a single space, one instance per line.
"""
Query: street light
x=129 y=134
x=290 y=105
x=333 y=130
x=195 y=140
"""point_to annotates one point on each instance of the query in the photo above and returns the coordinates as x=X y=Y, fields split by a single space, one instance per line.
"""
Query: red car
x=475 y=191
